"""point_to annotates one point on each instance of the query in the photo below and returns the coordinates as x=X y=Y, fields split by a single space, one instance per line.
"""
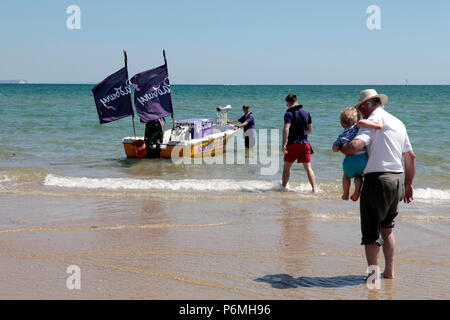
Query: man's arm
x=232 y=122
x=353 y=146
x=309 y=128
x=410 y=171
x=285 y=136
x=241 y=125
x=370 y=124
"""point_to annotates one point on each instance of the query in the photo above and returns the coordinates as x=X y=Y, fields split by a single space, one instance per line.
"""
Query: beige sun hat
x=370 y=94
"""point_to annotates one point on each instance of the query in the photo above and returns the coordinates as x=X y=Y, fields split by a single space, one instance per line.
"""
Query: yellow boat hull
x=202 y=148
x=205 y=148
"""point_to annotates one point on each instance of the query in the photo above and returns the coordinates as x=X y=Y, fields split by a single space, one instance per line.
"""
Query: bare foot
x=345 y=197
x=354 y=196
x=388 y=275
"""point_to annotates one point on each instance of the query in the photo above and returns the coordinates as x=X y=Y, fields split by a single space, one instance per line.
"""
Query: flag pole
x=126 y=66
x=165 y=62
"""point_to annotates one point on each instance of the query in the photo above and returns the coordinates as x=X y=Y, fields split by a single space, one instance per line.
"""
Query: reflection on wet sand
x=384 y=293
x=298 y=248
x=209 y=249
x=295 y=235
x=110 y=228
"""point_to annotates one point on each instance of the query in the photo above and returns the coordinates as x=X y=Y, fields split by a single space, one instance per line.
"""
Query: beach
x=153 y=229
x=169 y=249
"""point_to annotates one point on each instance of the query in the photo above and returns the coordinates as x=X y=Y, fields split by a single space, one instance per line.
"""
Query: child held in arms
x=353 y=165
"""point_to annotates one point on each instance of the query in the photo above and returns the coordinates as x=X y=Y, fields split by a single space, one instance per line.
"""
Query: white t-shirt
x=385 y=146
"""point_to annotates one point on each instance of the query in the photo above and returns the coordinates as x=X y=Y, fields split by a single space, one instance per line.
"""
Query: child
x=353 y=165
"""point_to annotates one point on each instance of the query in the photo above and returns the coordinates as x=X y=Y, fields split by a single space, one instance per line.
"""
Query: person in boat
x=295 y=146
x=247 y=121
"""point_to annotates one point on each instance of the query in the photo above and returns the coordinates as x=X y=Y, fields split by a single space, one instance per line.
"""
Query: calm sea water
x=50 y=137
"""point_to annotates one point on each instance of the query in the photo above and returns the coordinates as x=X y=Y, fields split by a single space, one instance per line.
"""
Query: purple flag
x=152 y=97
x=113 y=97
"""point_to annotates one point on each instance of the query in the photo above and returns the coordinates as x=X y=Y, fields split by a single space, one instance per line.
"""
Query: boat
x=175 y=144
x=195 y=137
x=189 y=138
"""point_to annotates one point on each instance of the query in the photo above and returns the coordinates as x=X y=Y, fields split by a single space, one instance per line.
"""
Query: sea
x=51 y=139
x=52 y=146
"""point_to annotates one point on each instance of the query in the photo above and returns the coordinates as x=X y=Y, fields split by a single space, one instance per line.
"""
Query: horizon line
x=242 y=84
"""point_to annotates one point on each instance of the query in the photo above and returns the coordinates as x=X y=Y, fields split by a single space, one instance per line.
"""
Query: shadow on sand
x=285 y=281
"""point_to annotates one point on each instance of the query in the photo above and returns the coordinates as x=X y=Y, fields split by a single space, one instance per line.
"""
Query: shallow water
x=55 y=128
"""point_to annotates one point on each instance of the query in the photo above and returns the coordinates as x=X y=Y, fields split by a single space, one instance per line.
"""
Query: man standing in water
x=248 y=122
x=382 y=188
x=295 y=146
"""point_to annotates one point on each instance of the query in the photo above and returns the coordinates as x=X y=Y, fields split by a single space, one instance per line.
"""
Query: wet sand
x=206 y=249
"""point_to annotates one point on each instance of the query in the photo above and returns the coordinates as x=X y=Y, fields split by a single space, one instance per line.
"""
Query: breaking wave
x=431 y=194
x=14 y=181
x=203 y=185
x=4 y=179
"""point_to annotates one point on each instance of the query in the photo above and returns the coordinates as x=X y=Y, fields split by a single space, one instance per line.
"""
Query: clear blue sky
x=229 y=42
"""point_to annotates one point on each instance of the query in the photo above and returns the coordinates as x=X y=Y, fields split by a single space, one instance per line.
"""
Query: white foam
x=215 y=185
x=206 y=185
x=4 y=179
x=431 y=194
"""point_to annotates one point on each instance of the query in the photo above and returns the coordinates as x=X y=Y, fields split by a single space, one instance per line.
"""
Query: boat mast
x=165 y=61
x=126 y=66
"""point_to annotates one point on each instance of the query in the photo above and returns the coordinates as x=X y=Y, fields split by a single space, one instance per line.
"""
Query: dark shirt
x=299 y=119
x=349 y=133
x=250 y=121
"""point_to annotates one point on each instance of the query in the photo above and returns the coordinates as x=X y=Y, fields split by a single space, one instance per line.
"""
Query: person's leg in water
x=388 y=249
x=345 y=186
x=372 y=251
x=311 y=176
x=286 y=173
x=358 y=183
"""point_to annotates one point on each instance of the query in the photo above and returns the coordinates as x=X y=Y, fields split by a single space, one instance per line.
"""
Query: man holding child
x=383 y=187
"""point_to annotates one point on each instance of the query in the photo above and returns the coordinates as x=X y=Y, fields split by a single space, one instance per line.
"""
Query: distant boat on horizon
x=21 y=81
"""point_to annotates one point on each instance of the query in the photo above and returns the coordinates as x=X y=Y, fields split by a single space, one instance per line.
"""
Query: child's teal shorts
x=354 y=164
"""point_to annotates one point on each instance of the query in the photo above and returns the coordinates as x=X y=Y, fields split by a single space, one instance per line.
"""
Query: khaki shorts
x=380 y=195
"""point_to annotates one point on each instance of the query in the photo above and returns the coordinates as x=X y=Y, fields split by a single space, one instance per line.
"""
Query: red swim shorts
x=299 y=152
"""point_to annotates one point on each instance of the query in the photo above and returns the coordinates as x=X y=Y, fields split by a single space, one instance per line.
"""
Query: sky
x=228 y=42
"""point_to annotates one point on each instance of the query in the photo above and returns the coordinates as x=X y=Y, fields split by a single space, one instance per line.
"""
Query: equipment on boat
x=154 y=135
x=198 y=128
x=222 y=118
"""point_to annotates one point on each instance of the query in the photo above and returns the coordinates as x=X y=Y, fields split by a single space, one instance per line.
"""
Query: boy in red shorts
x=297 y=126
